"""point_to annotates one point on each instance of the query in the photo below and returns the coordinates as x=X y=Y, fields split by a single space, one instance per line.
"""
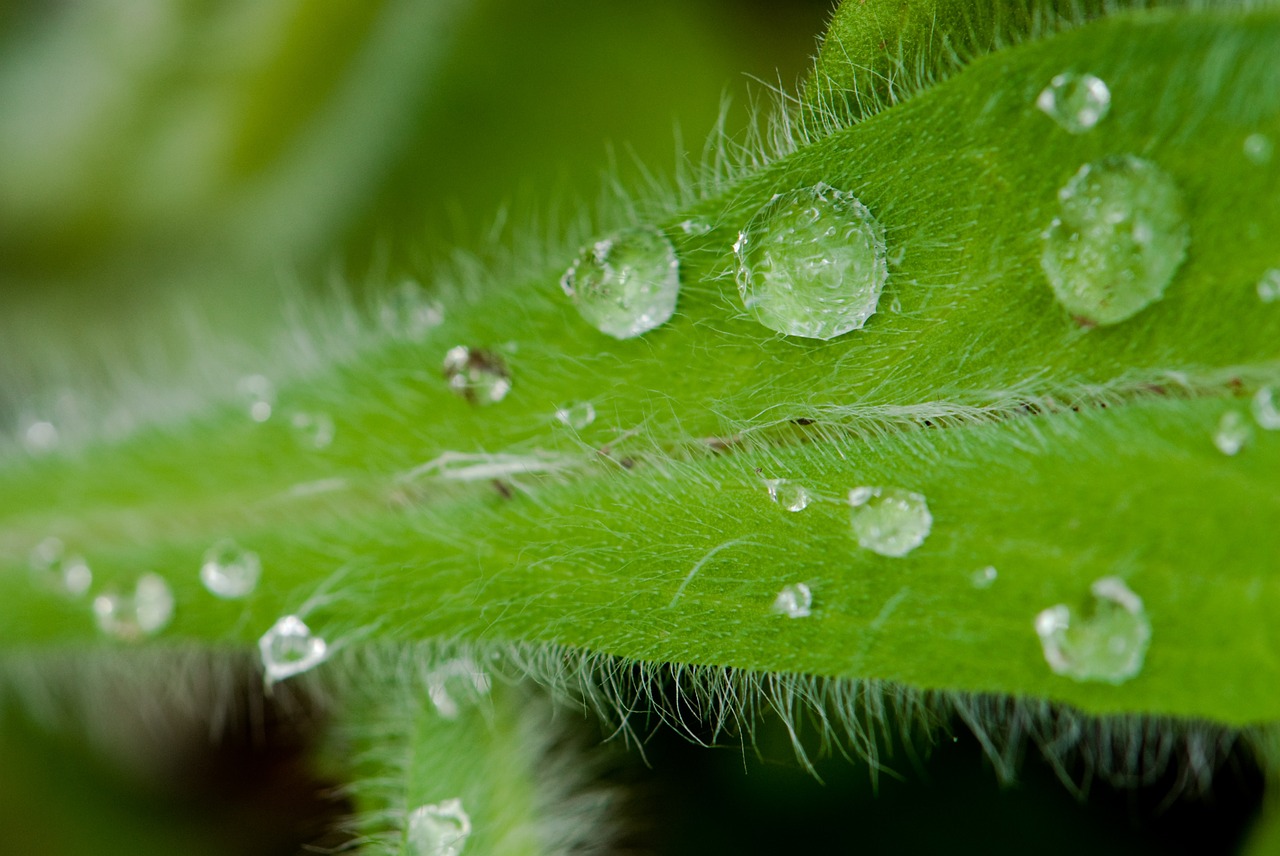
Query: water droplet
x=576 y=416
x=1259 y=149
x=889 y=520
x=289 y=648
x=258 y=395
x=788 y=494
x=144 y=613
x=794 y=601
x=812 y=263
x=40 y=437
x=478 y=375
x=1269 y=286
x=1120 y=236
x=313 y=430
x=1233 y=433
x=1076 y=102
x=1107 y=643
x=54 y=567
x=408 y=313
x=695 y=227
x=455 y=683
x=438 y=830
x=984 y=578
x=1265 y=411
x=229 y=571
x=626 y=284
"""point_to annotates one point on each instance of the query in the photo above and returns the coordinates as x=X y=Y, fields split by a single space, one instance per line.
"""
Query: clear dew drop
x=1269 y=286
x=1233 y=433
x=889 y=520
x=1077 y=102
x=478 y=375
x=1120 y=237
x=1265 y=410
x=144 y=613
x=290 y=648
x=1259 y=149
x=626 y=284
x=441 y=829
x=812 y=263
x=258 y=395
x=455 y=683
x=312 y=430
x=788 y=494
x=1106 y=642
x=984 y=578
x=64 y=572
x=576 y=416
x=407 y=312
x=229 y=571
x=794 y=601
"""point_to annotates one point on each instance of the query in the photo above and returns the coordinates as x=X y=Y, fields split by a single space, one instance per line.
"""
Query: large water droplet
x=290 y=648
x=794 y=601
x=1120 y=236
x=889 y=520
x=146 y=612
x=626 y=284
x=229 y=571
x=1107 y=642
x=441 y=829
x=408 y=313
x=478 y=375
x=312 y=430
x=1233 y=433
x=454 y=683
x=576 y=416
x=1259 y=149
x=1265 y=411
x=56 y=568
x=812 y=263
x=258 y=394
x=788 y=494
x=1076 y=102
x=1269 y=286
x=984 y=578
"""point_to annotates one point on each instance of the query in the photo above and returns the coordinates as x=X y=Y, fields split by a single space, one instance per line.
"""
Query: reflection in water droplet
x=1233 y=433
x=626 y=284
x=1269 y=286
x=146 y=612
x=794 y=601
x=1076 y=102
x=454 y=683
x=407 y=313
x=1265 y=411
x=54 y=568
x=812 y=263
x=259 y=396
x=229 y=571
x=289 y=648
x=313 y=430
x=984 y=578
x=576 y=416
x=1259 y=149
x=788 y=494
x=478 y=375
x=889 y=520
x=438 y=830
x=1107 y=642
x=1120 y=236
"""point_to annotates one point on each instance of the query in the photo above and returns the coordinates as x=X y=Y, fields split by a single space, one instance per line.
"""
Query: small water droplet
x=229 y=571
x=1107 y=642
x=812 y=263
x=1265 y=411
x=1120 y=236
x=441 y=829
x=626 y=284
x=794 y=601
x=1269 y=286
x=454 y=683
x=1076 y=102
x=144 y=613
x=1233 y=433
x=576 y=416
x=695 y=227
x=54 y=567
x=408 y=313
x=889 y=520
x=289 y=648
x=313 y=430
x=1259 y=149
x=258 y=395
x=40 y=437
x=478 y=375
x=984 y=578
x=788 y=494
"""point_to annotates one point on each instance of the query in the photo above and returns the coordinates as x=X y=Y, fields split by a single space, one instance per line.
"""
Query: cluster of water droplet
x=1106 y=642
x=1234 y=431
x=440 y=829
